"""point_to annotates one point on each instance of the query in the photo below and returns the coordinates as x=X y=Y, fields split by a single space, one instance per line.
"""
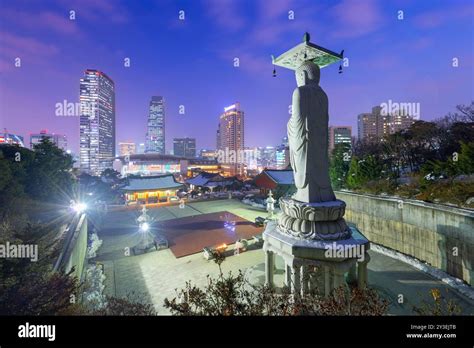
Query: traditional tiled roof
x=211 y=180
x=281 y=177
x=160 y=182
x=203 y=179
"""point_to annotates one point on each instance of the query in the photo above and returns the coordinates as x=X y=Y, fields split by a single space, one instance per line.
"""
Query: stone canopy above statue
x=306 y=51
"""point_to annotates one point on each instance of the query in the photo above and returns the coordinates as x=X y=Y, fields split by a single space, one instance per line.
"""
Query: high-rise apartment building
x=230 y=139
x=58 y=139
x=97 y=122
x=184 y=147
x=155 y=136
x=376 y=125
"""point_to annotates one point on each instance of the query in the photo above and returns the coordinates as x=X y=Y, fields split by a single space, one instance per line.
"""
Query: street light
x=144 y=227
x=79 y=207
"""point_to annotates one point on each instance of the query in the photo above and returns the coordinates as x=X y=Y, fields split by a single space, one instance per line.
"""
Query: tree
x=233 y=295
x=111 y=176
x=465 y=161
x=353 y=175
x=11 y=190
x=339 y=165
x=463 y=114
x=50 y=173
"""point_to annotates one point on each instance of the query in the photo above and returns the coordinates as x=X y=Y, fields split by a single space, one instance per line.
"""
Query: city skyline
x=195 y=63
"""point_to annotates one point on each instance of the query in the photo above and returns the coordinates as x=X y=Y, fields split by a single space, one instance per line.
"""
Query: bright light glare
x=145 y=227
x=79 y=207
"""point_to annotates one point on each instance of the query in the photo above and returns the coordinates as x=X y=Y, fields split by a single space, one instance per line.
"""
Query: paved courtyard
x=154 y=276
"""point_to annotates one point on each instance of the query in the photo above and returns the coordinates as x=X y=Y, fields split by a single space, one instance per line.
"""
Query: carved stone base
x=317 y=221
x=324 y=211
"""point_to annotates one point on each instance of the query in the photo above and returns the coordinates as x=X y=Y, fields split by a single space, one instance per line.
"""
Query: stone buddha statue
x=308 y=137
x=313 y=212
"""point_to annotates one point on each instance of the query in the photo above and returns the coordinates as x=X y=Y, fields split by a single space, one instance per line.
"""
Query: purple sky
x=190 y=62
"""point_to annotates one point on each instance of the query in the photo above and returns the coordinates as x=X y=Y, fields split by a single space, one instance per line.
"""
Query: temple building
x=157 y=164
x=211 y=181
x=280 y=182
x=151 y=189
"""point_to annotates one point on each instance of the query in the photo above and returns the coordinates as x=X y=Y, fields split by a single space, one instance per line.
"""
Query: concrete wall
x=74 y=250
x=426 y=231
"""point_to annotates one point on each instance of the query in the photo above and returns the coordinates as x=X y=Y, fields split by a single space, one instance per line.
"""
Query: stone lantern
x=270 y=204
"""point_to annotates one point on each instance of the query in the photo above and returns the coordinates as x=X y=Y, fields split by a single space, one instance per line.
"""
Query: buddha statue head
x=308 y=73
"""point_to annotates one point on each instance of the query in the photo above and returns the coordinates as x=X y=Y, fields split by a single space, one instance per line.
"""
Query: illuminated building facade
x=231 y=138
x=282 y=155
x=375 y=126
x=151 y=189
x=267 y=157
x=127 y=149
x=155 y=136
x=12 y=139
x=231 y=128
x=97 y=122
x=150 y=164
x=184 y=147
x=339 y=135
x=208 y=154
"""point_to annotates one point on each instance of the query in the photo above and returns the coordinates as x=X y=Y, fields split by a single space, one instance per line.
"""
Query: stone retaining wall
x=442 y=236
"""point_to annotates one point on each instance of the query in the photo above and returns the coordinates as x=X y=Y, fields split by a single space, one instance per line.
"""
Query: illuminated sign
x=233 y=106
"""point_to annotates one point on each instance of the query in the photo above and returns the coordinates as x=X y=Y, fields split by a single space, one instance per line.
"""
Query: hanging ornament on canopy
x=274 y=74
x=342 y=57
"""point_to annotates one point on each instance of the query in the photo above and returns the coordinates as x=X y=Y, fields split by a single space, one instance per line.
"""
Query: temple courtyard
x=154 y=276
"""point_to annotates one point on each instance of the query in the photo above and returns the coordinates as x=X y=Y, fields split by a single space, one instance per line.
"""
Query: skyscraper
x=231 y=129
x=58 y=139
x=339 y=135
x=155 y=136
x=97 y=122
x=184 y=147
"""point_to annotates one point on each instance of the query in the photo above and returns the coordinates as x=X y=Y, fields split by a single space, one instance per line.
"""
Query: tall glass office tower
x=97 y=122
x=155 y=136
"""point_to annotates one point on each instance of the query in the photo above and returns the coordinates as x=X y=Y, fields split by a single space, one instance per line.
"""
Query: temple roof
x=211 y=180
x=160 y=182
x=204 y=179
x=281 y=177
